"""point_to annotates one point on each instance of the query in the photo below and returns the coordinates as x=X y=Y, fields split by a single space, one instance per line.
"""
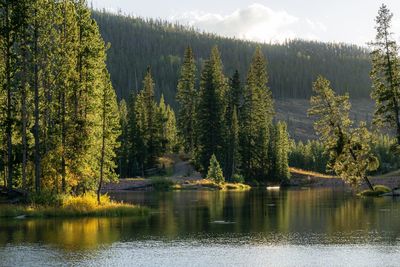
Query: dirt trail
x=183 y=170
x=305 y=178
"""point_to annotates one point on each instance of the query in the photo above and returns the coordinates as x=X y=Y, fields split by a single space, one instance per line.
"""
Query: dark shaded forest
x=137 y=43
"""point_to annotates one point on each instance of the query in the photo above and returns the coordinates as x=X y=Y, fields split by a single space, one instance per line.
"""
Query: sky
x=348 y=21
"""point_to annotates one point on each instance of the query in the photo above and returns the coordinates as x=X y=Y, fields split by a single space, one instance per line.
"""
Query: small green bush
x=382 y=188
x=45 y=198
x=238 y=178
x=378 y=191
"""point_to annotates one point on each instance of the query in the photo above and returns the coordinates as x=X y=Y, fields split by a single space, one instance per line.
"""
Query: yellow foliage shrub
x=85 y=203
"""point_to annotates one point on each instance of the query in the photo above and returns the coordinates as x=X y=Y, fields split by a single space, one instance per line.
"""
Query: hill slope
x=137 y=43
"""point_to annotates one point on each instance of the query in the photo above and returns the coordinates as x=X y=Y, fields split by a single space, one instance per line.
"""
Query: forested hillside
x=137 y=43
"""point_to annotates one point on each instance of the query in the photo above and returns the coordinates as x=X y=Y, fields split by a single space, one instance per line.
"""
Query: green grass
x=309 y=173
x=378 y=191
x=236 y=186
x=206 y=184
x=82 y=206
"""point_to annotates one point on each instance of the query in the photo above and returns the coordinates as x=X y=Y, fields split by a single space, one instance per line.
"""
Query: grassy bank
x=82 y=206
x=205 y=184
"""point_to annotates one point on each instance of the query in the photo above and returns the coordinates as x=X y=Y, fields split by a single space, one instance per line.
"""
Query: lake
x=295 y=227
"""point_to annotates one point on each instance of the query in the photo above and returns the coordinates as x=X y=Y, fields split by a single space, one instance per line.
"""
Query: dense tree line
x=232 y=122
x=59 y=114
x=382 y=148
x=308 y=156
x=148 y=131
x=294 y=65
x=62 y=130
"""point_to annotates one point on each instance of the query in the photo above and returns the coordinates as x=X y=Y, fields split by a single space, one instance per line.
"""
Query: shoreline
x=391 y=180
x=73 y=207
x=298 y=178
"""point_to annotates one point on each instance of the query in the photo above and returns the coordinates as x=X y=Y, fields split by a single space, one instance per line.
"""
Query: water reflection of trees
x=277 y=216
x=321 y=211
x=74 y=234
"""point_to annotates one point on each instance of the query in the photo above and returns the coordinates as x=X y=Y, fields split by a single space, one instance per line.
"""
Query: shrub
x=378 y=191
x=45 y=198
x=238 y=178
x=237 y=186
x=84 y=203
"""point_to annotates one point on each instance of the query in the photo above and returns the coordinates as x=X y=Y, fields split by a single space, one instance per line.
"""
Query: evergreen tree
x=233 y=155
x=170 y=133
x=110 y=131
x=123 y=152
x=186 y=96
x=8 y=41
x=385 y=73
x=148 y=121
x=348 y=148
x=65 y=81
x=234 y=102
x=162 y=111
x=85 y=101
x=23 y=8
x=52 y=81
x=137 y=148
x=281 y=152
x=214 y=170
x=211 y=108
x=256 y=118
x=235 y=92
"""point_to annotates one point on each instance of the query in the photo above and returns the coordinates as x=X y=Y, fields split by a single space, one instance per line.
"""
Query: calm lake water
x=296 y=227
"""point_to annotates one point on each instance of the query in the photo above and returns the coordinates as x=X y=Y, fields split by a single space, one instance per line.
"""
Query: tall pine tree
x=385 y=73
x=256 y=118
x=148 y=126
x=110 y=131
x=211 y=128
x=186 y=96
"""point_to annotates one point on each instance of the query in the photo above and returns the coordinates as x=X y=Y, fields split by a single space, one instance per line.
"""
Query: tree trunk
x=369 y=183
x=103 y=142
x=9 y=100
x=392 y=84
x=63 y=139
x=63 y=110
x=364 y=176
x=36 y=109
x=24 y=142
x=5 y=169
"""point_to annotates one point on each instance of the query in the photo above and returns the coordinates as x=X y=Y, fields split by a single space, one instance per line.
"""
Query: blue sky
x=350 y=21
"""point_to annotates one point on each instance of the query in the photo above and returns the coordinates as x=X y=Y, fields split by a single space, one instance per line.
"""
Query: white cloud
x=396 y=28
x=255 y=22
